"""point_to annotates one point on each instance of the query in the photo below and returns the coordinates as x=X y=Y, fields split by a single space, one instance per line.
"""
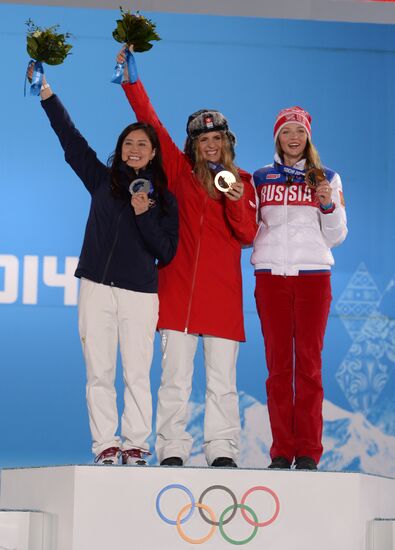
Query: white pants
x=222 y=418
x=106 y=315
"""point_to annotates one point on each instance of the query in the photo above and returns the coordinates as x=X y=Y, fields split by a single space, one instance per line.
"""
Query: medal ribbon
x=289 y=171
x=215 y=167
x=120 y=69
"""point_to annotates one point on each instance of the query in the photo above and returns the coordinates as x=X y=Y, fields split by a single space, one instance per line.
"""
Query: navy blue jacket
x=119 y=249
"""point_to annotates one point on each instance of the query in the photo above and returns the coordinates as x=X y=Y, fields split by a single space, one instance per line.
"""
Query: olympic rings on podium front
x=223 y=488
x=167 y=488
x=221 y=523
x=200 y=506
x=249 y=515
x=276 y=512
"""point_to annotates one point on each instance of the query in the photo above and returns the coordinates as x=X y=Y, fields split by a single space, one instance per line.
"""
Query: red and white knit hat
x=292 y=115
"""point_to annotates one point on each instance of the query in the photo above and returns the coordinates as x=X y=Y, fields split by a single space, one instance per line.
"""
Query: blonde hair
x=203 y=172
x=310 y=153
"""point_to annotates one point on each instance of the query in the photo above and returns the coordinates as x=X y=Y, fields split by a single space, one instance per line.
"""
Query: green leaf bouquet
x=47 y=45
x=135 y=30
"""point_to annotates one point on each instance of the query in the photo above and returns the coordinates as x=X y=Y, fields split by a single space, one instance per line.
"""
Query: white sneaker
x=134 y=457
x=108 y=456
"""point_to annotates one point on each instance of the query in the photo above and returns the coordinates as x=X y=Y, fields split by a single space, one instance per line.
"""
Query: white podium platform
x=23 y=530
x=154 y=508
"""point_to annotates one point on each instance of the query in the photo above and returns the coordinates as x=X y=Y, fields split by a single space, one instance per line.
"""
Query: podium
x=165 y=508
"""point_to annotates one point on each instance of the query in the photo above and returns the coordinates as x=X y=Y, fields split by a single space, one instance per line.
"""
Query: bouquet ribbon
x=37 y=77
x=120 y=68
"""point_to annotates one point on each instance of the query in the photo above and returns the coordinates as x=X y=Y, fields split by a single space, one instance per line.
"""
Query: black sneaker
x=224 y=462
x=305 y=463
x=280 y=463
x=172 y=461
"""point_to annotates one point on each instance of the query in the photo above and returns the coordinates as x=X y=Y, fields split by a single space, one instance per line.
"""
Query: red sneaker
x=108 y=456
x=134 y=457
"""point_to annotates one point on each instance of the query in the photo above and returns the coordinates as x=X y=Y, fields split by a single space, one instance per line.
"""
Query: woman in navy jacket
x=124 y=238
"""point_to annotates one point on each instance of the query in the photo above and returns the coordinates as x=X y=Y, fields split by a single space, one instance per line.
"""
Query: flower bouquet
x=45 y=46
x=135 y=30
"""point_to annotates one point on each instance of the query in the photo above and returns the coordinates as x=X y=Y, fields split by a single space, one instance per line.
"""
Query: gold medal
x=224 y=181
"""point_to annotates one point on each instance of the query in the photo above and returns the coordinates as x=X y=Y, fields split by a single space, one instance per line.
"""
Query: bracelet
x=44 y=87
x=328 y=209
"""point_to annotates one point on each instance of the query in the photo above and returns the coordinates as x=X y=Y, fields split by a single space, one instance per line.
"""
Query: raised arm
x=174 y=160
x=82 y=159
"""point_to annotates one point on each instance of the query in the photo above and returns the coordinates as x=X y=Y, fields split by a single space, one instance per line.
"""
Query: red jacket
x=200 y=291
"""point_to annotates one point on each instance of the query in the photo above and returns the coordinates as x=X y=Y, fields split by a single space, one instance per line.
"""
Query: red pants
x=293 y=313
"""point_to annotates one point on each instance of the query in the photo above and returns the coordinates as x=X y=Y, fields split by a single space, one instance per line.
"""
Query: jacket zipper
x=113 y=245
x=195 y=265
x=286 y=232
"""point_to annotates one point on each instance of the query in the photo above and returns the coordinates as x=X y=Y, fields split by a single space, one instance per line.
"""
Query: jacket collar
x=130 y=174
x=300 y=165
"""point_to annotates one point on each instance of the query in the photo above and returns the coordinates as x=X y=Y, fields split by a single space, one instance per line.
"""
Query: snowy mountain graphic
x=351 y=443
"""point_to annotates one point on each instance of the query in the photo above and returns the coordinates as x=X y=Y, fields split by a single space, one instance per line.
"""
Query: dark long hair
x=159 y=179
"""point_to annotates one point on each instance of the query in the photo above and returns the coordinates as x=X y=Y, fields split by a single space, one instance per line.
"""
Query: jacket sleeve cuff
x=328 y=209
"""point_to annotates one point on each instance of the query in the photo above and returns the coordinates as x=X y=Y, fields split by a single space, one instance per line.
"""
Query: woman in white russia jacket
x=299 y=224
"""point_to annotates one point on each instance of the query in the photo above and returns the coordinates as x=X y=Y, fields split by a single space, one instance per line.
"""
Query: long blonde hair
x=203 y=172
x=310 y=153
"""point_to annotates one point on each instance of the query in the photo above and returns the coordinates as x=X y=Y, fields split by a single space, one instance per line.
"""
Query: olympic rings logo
x=208 y=515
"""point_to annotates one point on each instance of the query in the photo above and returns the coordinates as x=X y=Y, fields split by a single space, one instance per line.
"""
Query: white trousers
x=222 y=418
x=107 y=315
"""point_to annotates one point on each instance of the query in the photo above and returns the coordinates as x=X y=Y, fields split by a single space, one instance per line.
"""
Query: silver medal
x=140 y=185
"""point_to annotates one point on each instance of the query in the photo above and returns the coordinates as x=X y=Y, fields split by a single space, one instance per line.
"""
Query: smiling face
x=137 y=149
x=292 y=139
x=210 y=146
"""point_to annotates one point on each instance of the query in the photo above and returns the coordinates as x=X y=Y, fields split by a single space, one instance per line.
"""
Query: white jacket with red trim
x=295 y=234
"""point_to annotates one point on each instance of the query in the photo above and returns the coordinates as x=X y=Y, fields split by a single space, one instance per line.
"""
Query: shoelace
x=135 y=453
x=111 y=452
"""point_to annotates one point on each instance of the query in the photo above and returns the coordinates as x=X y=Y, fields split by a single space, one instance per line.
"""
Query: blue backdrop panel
x=249 y=69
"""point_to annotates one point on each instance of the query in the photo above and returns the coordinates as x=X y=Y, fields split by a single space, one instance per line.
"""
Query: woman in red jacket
x=200 y=292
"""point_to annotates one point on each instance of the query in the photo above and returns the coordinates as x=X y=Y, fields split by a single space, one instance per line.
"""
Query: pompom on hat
x=292 y=115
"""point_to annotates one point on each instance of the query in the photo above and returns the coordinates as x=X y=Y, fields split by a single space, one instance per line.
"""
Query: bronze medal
x=313 y=177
